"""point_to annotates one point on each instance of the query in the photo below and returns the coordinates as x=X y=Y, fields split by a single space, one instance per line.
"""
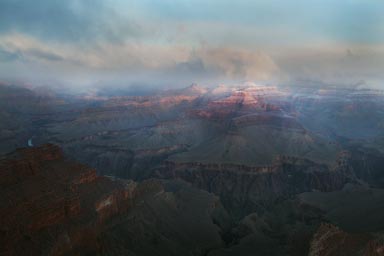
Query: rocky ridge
x=51 y=205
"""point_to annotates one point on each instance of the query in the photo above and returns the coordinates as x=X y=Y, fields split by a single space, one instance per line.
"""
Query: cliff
x=244 y=189
x=52 y=206
x=331 y=240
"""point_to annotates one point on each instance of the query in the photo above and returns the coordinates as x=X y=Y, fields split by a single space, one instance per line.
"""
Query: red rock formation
x=375 y=248
x=330 y=240
x=53 y=206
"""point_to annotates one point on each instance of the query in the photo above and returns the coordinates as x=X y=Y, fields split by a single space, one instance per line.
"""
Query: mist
x=87 y=45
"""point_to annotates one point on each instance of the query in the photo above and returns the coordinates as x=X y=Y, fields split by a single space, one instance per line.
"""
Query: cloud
x=238 y=63
x=336 y=64
x=164 y=62
x=6 y=56
x=23 y=48
x=69 y=20
x=130 y=57
x=191 y=41
x=44 y=55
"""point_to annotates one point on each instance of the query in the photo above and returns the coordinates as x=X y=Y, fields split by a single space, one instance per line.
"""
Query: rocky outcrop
x=53 y=206
x=15 y=167
x=330 y=240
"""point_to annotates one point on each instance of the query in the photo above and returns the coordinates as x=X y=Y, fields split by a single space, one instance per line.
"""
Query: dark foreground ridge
x=51 y=205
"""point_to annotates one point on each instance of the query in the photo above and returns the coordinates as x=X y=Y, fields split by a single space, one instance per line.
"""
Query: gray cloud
x=44 y=55
x=94 y=40
x=238 y=63
x=24 y=49
x=337 y=65
x=6 y=56
x=65 y=20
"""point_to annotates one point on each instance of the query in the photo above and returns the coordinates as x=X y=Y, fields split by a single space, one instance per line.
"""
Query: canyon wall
x=244 y=189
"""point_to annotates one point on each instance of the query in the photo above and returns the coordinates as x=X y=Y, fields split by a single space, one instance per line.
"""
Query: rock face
x=329 y=240
x=53 y=206
x=50 y=205
x=244 y=189
x=179 y=220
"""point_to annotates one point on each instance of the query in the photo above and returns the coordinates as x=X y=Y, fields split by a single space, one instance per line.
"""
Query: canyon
x=228 y=170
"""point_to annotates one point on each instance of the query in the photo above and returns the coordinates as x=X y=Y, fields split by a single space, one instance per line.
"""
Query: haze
x=87 y=44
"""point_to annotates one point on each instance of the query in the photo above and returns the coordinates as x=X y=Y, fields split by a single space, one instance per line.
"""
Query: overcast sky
x=90 y=43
